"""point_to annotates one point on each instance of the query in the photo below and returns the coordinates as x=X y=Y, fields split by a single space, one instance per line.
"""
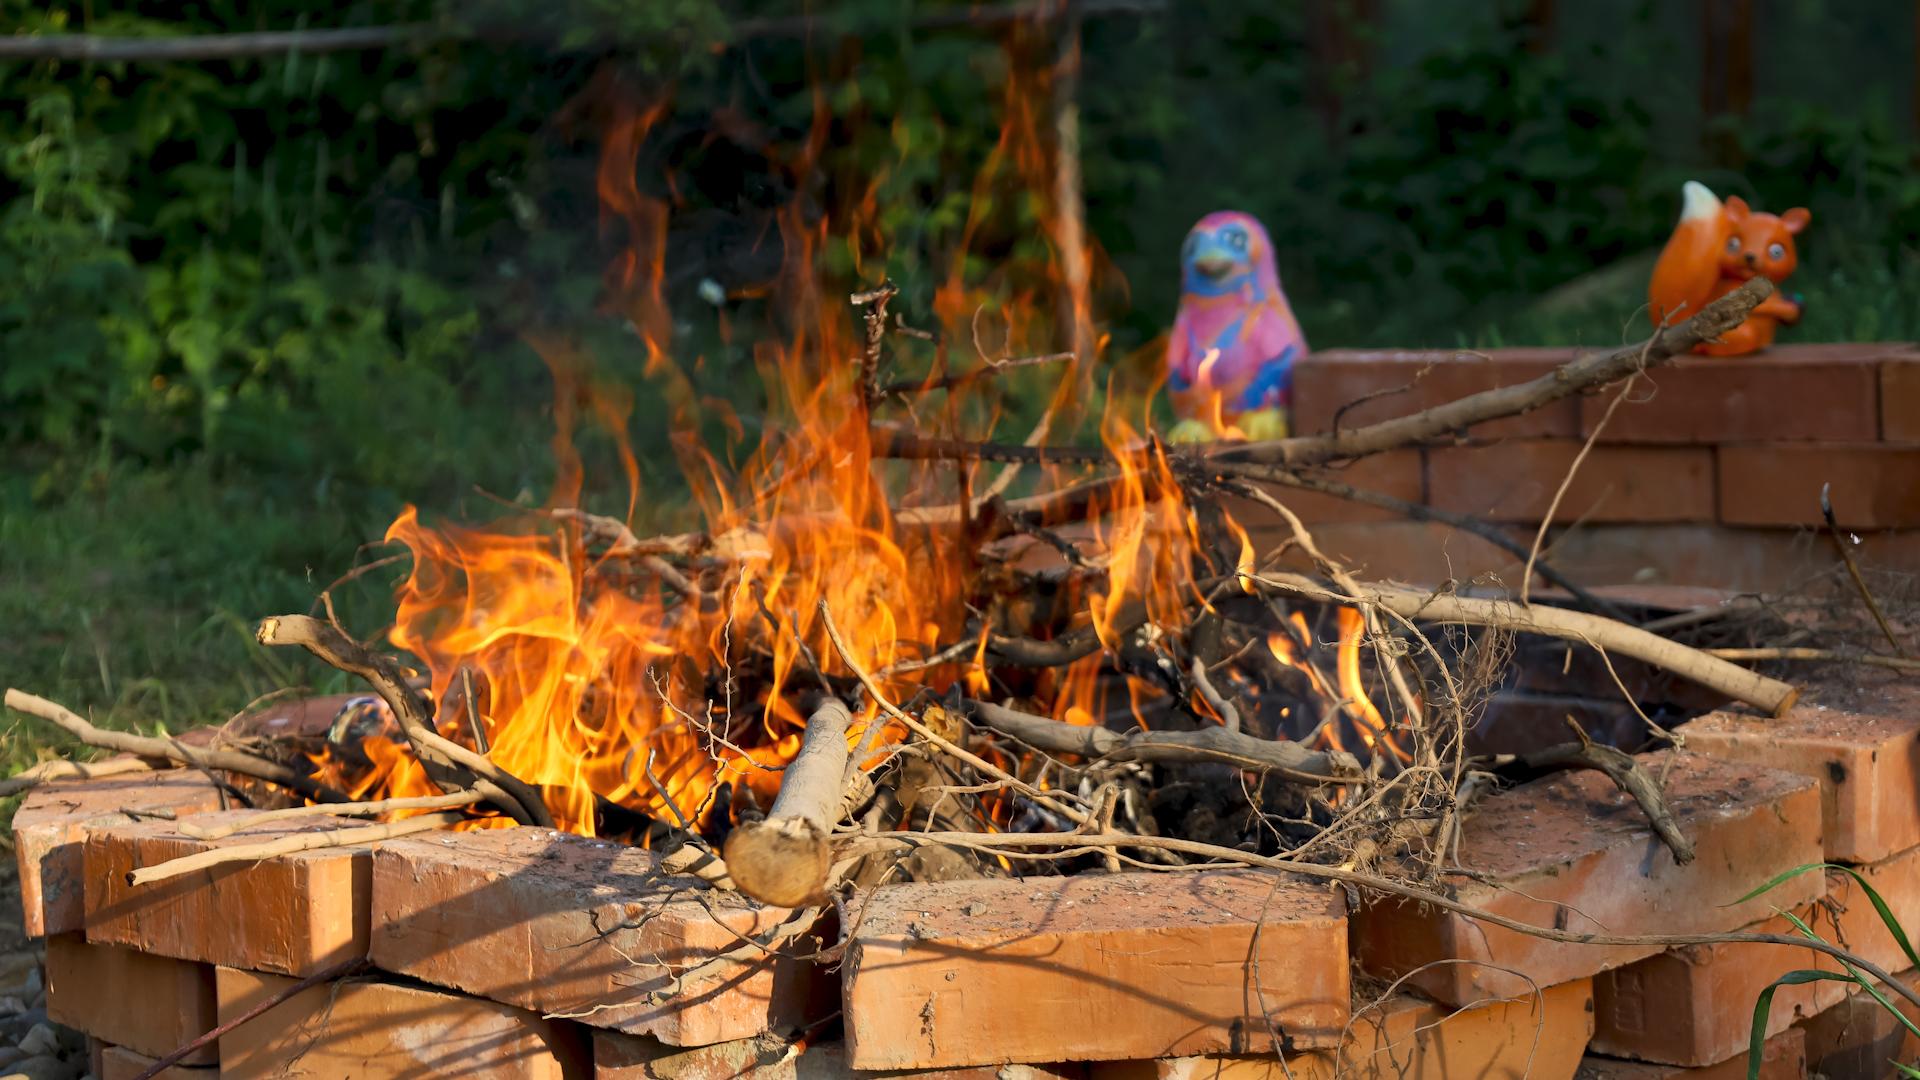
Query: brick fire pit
x=528 y=952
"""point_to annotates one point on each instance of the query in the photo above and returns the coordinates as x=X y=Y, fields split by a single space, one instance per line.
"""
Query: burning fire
x=602 y=686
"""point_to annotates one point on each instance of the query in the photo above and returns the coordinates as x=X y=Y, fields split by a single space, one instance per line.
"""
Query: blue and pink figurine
x=1234 y=343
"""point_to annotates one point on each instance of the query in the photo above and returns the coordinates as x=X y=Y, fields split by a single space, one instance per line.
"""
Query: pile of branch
x=857 y=807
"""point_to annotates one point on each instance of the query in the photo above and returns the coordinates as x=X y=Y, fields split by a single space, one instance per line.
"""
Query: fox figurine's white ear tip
x=1697 y=201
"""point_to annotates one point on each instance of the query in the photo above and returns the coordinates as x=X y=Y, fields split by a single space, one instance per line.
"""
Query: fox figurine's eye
x=1776 y=252
x=1733 y=245
x=1237 y=239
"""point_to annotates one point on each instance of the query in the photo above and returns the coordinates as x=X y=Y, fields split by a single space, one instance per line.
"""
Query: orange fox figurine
x=1715 y=249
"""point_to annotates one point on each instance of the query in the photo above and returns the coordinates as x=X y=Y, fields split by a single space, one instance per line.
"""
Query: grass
x=132 y=600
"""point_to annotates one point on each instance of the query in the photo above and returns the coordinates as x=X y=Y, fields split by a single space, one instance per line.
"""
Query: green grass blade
x=1764 y=1006
x=1886 y=915
x=1780 y=879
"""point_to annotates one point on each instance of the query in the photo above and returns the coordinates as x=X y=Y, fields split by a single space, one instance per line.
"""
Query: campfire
x=872 y=649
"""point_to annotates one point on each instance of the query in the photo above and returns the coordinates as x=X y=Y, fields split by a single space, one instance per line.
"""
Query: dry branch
x=1853 y=569
x=59 y=769
x=784 y=859
x=233 y=761
x=1442 y=420
x=287 y=845
x=239 y=46
x=1771 y=695
x=1212 y=744
x=990 y=369
x=1841 y=656
x=1626 y=774
x=447 y=763
x=1414 y=511
x=696 y=861
x=953 y=749
x=357 y=809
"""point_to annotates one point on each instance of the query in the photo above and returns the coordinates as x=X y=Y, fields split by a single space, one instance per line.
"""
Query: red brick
x=1516 y=481
x=560 y=924
x=1410 y=1038
x=120 y=1063
x=1744 y=559
x=149 y=1004
x=1897 y=880
x=1694 y=1005
x=1874 y=486
x=1522 y=723
x=294 y=914
x=1868 y=768
x=1799 y=393
x=1416 y=551
x=1398 y=473
x=618 y=1056
x=53 y=820
x=1784 y=1057
x=1572 y=851
x=372 y=1030
x=1096 y=967
x=1900 y=400
x=1326 y=381
x=1859 y=1036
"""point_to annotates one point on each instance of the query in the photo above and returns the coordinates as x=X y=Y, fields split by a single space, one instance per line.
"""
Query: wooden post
x=1726 y=71
x=1073 y=318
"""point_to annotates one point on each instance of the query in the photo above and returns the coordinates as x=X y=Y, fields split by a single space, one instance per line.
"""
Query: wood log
x=784 y=858
x=1215 y=744
x=1771 y=695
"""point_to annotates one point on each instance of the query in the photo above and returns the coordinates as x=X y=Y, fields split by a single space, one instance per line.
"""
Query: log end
x=1787 y=701
x=780 y=861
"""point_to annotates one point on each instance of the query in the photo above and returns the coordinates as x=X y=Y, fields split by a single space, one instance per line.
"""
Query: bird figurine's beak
x=1213 y=266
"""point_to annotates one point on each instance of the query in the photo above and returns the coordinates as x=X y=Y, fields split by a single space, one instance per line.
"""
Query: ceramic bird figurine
x=1231 y=353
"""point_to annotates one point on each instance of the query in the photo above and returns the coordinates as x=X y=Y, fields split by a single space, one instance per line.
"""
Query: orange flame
x=605 y=687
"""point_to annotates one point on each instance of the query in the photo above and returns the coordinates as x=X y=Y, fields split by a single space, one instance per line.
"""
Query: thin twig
x=61 y=769
x=1073 y=814
x=1713 y=320
x=447 y=763
x=102 y=48
x=287 y=845
x=1414 y=511
x=278 y=997
x=991 y=369
x=867 y=372
x=372 y=808
x=1847 y=656
x=233 y=761
x=1553 y=507
x=1771 y=695
x=1853 y=570
x=1229 y=715
x=1215 y=744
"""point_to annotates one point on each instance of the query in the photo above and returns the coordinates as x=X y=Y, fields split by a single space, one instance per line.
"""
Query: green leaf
x=1757 y=1039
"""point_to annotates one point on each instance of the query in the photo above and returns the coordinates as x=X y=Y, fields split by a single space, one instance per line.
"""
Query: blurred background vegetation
x=249 y=308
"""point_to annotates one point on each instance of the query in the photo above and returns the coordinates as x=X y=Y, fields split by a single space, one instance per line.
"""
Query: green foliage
x=1764 y=1004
